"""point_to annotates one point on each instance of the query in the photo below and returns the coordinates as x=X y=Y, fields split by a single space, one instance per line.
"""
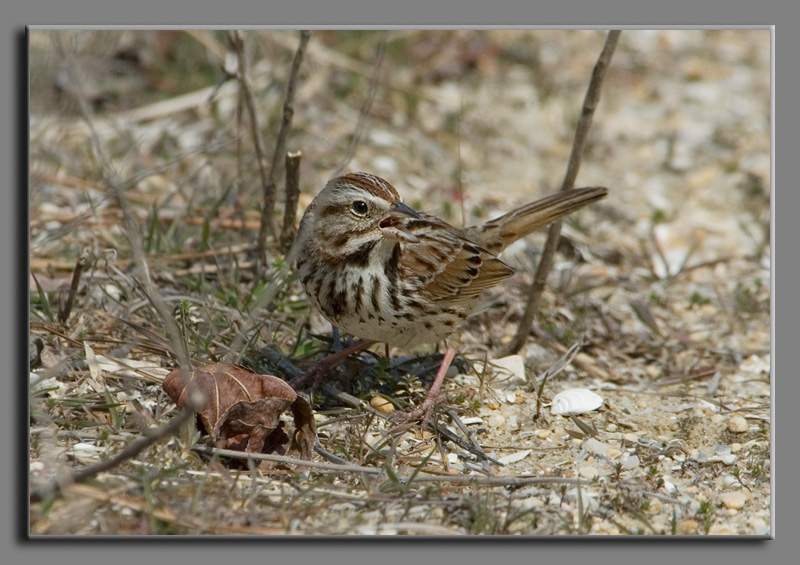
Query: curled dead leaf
x=243 y=409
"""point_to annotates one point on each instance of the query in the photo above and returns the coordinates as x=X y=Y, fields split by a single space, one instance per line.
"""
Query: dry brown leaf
x=244 y=408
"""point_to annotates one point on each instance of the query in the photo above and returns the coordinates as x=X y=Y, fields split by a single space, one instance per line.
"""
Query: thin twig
x=292 y=196
x=267 y=226
x=554 y=370
x=581 y=132
x=196 y=402
x=421 y=477
x=242 y=74
x=65 y=308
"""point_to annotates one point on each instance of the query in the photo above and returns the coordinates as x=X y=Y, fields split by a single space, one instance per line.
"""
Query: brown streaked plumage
x=384 y=272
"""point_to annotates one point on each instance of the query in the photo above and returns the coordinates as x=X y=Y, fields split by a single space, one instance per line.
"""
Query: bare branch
x=267 y=227
x=421 y=477
x=292 y=196
x=553 y=234
x=65 y=308
x=242 y=74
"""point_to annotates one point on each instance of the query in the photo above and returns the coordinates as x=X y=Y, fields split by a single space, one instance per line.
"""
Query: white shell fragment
x=510 y=370
x=575 y=401
x=514 y=457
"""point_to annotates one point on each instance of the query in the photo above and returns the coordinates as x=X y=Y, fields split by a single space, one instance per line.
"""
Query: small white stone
x=734 y=500
x=496 y=421
x=86 y=447
x=596 y=447
x=737 y=424
x=721 y=530
x=510 y=370
x=729 y=481
x=630 y=462
x=760 y=527
x=588 y=472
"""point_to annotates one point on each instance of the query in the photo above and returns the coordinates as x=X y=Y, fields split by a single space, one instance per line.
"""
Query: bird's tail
x=501 y=232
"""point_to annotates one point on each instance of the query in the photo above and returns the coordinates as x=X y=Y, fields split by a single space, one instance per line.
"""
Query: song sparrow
x=381 y=271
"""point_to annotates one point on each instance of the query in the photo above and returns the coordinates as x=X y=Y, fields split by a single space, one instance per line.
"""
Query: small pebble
x=593 y=446
x=734 y=500
x=631 y=462
x=721 y=530
x=543 y=433
x=511 y=370
x=760 y=527
x=382 y=405
x=729 y=481
x=653 y=371
x=588 y=472
x=496 y=421
x=686 y=527
x=737 y=424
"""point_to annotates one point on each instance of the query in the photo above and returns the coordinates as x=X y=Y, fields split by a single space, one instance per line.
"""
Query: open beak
x=392 y=225
x=400 y=208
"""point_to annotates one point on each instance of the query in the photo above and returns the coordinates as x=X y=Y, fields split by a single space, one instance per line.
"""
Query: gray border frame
x=358 y=14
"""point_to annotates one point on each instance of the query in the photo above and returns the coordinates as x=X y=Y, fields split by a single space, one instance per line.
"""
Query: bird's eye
x=360 y=207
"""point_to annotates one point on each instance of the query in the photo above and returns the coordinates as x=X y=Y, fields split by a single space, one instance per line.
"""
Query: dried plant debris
x=658 y=300
x=243 y=409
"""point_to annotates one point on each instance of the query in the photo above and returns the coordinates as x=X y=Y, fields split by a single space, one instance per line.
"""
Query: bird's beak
x=400 y=208
x=392 y=227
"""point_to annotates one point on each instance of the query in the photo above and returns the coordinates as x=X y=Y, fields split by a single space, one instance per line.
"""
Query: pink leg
x=426 y=408
x=316 y=372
